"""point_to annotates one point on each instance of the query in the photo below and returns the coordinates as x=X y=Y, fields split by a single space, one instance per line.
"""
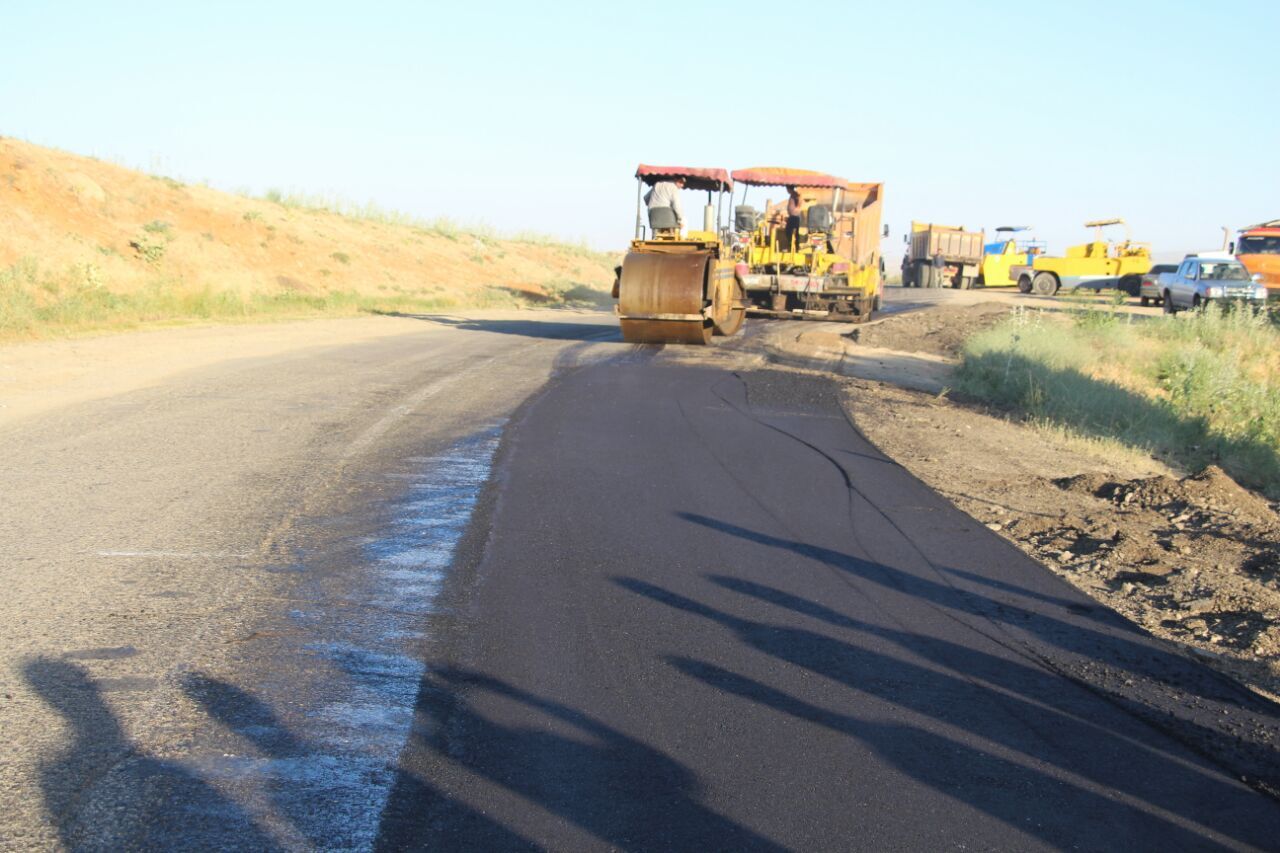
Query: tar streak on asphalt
x=321 y=778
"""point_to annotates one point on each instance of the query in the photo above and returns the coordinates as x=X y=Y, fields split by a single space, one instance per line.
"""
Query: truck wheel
x=1024 y=284
x=1045 y=284
x=925 y=275
x=966 y=282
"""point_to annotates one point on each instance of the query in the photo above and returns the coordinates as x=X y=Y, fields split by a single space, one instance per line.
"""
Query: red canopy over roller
x=695 y=179
x=774 y=176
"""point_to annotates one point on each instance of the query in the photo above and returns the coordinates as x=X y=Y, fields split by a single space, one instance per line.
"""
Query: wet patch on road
x=307 y=756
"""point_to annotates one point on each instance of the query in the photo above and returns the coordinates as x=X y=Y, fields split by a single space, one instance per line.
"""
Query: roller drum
x=661 y=297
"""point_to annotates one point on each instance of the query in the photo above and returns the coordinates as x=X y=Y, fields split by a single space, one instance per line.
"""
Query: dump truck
x=825 y=267
x=675 y=287
x=961 y=253
x=1097 y=264
x=1258 y=248
x=1007 y=251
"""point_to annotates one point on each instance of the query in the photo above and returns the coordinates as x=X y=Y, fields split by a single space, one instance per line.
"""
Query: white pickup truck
x=1201 y=279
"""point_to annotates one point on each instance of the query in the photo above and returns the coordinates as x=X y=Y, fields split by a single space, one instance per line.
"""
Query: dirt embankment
x=75 y=225
x=1192 y=558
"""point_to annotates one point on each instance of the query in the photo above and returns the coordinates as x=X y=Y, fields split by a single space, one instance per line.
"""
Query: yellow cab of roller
x=1097 y=264
x=675 y=287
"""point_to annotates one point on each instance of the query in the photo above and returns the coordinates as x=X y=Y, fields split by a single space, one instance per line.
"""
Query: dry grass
x=92 y=246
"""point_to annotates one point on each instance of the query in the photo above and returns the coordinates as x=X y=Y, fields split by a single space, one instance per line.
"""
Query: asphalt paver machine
x=826 y=268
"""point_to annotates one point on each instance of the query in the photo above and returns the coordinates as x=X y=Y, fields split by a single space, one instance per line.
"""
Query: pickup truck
x=1200 y=280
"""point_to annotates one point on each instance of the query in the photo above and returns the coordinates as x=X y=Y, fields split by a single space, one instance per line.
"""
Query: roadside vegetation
x=35 y=303
x=1191 y=390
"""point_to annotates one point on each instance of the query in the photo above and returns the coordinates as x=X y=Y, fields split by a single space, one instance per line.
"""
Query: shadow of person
x=1091 y=750
x=1077 y=635
x=103 y=793
x=1261 y=763
x=982 y=779
x=540 y=325
x=563 y=761
x=304 y=780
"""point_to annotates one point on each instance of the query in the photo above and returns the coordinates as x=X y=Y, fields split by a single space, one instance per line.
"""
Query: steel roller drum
x=660 y=298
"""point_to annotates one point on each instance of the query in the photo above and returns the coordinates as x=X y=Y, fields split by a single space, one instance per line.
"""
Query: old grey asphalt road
x=709 y=615
x=166 y=558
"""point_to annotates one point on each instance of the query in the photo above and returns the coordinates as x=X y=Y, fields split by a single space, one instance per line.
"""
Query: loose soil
x=937 y=331
x=1193 y=559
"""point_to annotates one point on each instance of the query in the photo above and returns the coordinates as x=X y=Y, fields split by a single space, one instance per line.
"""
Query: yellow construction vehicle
x=824 y=263
x=1006 y=252
x=1097 y=264
x=673 y=287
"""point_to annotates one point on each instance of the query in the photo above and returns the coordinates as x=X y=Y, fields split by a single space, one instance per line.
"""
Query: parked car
x=1200 y=280
x=1149 y=286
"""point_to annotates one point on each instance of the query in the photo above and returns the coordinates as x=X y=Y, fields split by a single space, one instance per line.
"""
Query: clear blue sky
x=525 y=115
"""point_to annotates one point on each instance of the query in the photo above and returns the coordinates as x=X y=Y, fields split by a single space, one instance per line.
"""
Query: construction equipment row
x=687 y=288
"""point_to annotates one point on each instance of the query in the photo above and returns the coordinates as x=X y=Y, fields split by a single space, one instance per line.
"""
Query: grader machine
x=674 y=288
x=827 y=268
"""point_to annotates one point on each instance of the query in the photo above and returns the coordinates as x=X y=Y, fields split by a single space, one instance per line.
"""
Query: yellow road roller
x=675 y=287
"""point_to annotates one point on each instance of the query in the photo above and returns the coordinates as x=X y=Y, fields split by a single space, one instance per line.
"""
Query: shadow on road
x=138 y=809
x=1111 y=640
x=535 y=327
x=609 y=785
x=990 y=733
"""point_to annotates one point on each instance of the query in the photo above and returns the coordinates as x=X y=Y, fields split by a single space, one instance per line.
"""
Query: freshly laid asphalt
x=699 y=611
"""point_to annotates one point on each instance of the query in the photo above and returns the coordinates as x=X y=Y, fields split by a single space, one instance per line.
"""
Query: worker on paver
x=665 y=194
x=795 y=206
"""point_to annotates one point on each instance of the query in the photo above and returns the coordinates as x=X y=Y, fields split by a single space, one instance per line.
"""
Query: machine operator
x=666 y=194
x=795 y=206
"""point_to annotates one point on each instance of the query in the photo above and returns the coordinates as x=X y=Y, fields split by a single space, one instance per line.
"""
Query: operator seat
x=663 y=221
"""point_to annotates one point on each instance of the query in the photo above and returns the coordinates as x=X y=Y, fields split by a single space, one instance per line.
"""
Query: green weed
x=1191 y=390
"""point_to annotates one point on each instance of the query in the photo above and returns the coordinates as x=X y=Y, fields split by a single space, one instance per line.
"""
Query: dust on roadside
x=1193 y=559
